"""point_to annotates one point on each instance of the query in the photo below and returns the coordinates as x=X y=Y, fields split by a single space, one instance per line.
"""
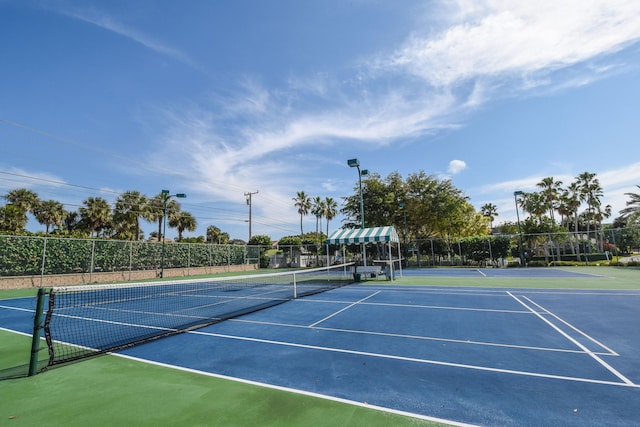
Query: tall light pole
x=355 y=163
x=404 y=217
x=165 y=198
x=515 y=198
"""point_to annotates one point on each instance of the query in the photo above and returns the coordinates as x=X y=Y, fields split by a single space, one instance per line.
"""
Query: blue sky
x=219 y=98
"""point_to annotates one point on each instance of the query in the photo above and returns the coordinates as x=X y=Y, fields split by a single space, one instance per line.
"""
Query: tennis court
x=468 y=355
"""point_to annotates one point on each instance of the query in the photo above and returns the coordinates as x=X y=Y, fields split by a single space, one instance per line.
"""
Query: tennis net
x=82 y=321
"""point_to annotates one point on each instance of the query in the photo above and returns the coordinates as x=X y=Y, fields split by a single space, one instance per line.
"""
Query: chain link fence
x=585 y=247
x=612 y=245
x=32 y=255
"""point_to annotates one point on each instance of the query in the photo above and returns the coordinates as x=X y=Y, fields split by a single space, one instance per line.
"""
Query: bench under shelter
x=381 y=267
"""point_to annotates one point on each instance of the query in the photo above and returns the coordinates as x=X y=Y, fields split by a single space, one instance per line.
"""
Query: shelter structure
x=386 y=234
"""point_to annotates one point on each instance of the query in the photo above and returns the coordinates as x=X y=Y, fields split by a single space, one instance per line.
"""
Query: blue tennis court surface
x=474 y=356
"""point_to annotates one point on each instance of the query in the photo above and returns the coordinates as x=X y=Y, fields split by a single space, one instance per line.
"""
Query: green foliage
x=314 y=238
x=264 y=261
x=21 y=256
x=430 y=207
x=290 y=241
x=260 y=240
x=537 y=264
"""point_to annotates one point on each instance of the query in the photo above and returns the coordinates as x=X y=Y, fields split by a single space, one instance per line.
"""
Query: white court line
x=584 y=334
x=586 y=350
x=297 y=391
x=416 y=360
x=434 y=307
x=344 y=309
x=413 y=337
x=8 y=307
x=481 y=272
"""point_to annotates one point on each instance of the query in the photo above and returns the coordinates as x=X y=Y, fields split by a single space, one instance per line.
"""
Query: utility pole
x=248 y=196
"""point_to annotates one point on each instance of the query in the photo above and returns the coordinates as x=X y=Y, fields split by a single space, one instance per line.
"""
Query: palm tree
x=303 y=203
x=631 y=214
x=591 y=193
x=50 y=212
x=71 y=221
x=96 y=214
x=534 y=204
x=550 y=191
x=599 y=215
x=318 y=210
x=490 y=211
x=215 y=235
x=129 y=208
x=24 y=200
x=183 y=221
x=330 y=210
x=155 y=211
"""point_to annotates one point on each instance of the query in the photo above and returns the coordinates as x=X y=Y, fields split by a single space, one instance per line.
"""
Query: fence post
x=93 y=251
x=433 y=255
x=44 y=256
x=188 y=259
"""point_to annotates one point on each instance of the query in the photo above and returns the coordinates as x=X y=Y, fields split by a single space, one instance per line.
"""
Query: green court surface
x=111 y=390
x=609 y=278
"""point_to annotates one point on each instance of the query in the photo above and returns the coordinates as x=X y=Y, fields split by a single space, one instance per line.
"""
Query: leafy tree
x=12 y=218
x=49 y=212
x=303 y=203
x=95 y=212
x=260 y=240
x=290 y=241
x=434 y=208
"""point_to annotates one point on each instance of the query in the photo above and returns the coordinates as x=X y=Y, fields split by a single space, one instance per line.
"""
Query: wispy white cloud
x=525 y=40
x=12 y=177
x=103 y=20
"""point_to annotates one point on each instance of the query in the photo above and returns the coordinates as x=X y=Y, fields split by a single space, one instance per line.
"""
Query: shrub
x=537 y=264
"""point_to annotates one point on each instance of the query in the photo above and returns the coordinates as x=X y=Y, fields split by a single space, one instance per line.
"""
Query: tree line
x=95 y=217
x=558 y=208
x=575 y=208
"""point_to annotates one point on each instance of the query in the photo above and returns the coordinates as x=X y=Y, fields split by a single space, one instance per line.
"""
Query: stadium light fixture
x=165 y=198
x=515 y=198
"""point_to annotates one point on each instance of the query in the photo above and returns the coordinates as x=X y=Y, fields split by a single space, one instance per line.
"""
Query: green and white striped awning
x=364 y=235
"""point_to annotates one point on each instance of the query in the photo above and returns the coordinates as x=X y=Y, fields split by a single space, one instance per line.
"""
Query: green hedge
x=21 y=255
